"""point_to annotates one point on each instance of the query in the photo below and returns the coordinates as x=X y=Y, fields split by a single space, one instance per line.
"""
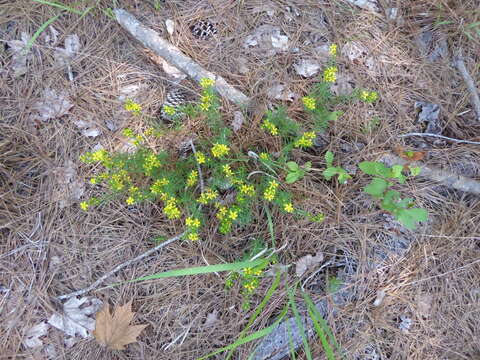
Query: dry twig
x=176 y=58
x=120 y=267
x=458 y=141
x=472 y=89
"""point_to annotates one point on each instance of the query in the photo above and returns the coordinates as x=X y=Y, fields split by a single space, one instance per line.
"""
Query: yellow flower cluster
x=219 y=150
x=270 y=127
x=270 y=191
x=306 y=140
x=100 y=155
x=192 y=222
x=151 y=162
x=206 y=83
x=330 y=74
x=128 y=133
x=227 y=170
x=133 y=107
x=247 y=190
x=169 y=110
x=207 y=196
x=200 y=157
x=130 y=200
x=171 y=209
x=157 y=186
x=264 y=156
x=118 y=180
x=332 y=50
x=288 y=207
x=309 y=102
x=84 y=206
x=192 y=178
x=193 y=236
x=206 y=102
x=251 y=285
x=251 y=272
x=369 y=96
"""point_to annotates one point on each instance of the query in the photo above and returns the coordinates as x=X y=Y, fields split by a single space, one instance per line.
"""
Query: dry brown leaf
x=113 y=330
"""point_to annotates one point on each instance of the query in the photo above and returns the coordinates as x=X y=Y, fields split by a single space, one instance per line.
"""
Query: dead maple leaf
x=113 y=330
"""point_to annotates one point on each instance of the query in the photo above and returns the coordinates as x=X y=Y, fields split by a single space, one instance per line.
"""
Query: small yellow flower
x=330 y=74
x=309 y=102
x=149 y=132
x=206 y=82
x=93 y=181
x=219 y=150
x=130 y=200
x=270 y=191
x=192 y=222
x=332 y=50
x=288 y=207
x=247 y=190
x=222 y=212
x=200 y=157
x=270 y=127
x=227 y=170
x=133 y=107
x=368 y=96
x=306 y=140
x=192 y=178
x=169 y=110
x=84 y=206
x=233 y=214
x=100 y=155
x=207 y=196
x=264 y=156
x=128 y=132
x=171 y=209
x=193 y=236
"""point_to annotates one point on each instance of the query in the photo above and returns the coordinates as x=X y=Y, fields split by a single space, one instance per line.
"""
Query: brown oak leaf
x=114 y=330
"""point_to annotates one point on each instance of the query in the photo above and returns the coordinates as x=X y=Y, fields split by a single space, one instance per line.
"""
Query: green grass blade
x=256 y=335
x=201 y=270
x=259 y=309
x=317 y=317
x=59 y=6
x=298 y=320
x=290 y=342
x=39 y=31
x=270 y=225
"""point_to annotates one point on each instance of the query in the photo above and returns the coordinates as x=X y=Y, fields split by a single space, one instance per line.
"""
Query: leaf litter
x=70 y=187
x=114 y=330
x=306 y=262
x=20 y=54
x=52 y=105
x=33 y=335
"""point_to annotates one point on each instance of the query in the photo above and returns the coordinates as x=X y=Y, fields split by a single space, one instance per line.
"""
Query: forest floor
x=49 y=247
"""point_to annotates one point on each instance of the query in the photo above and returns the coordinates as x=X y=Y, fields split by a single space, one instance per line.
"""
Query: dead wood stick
x=443 y=177
x=176 y=58
x=458 y=141
x=120 y=267
x=472 y=89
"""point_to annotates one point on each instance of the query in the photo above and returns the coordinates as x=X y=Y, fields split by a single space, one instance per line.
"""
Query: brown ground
x=49 y=250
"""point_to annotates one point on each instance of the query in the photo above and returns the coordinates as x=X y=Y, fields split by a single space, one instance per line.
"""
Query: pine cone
x=174 y=99
x=203 y=29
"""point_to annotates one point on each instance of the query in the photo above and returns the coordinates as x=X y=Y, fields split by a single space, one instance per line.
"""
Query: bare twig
x=199 y=168
x=443 y=177
x=458 y=141
x=175 y=57
x=120 y=267
x=472 y=89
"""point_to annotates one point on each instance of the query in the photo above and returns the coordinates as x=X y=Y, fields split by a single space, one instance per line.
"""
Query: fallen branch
x=443 y=177
x=120 y=267
x=175 y=57
x=472 y=89
x=458 y=141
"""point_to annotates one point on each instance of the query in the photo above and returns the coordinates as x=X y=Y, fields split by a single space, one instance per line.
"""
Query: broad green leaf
x=397 y=171
x=374 y=168
x=292 y=166
x=410 y=217
x=307 y=166
x=329 y=172
x=292 y=177
x=329 y=158
x=343 y=176
x=377 y=187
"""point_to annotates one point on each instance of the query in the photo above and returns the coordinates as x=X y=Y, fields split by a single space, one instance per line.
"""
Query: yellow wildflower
x=84 y=206
x=192 y=222
x=227 y=170
x=207 y=196
x=332 y=50
x=171 y=209
x=193 y=236
x=368 y=96
x=206 y=82
x=100 y=155
x=219 y=150
x=130 y=200
x=247 y=190
x=132 y=106
x=169 y=110
x=309 y=102
x=330 y=74
x=270 y=127
x=192 y=178
x=233 y=214
x=93 y=181
x=306 y=140
x=270 y=191
x=222 y=212
x=264 y=156
x=200 y=157
x=288 y=207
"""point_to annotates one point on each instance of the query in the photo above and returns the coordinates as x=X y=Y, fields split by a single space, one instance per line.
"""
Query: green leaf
x=307 y=166
x=329 y=172
x=343 y=176
x=292 y=177
x=299 y=322
x=292 y=166
x=410 y=217
x=374 y=168
x=415 y=170
x=329 y=158
x=376 y=188
x=397 y=171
